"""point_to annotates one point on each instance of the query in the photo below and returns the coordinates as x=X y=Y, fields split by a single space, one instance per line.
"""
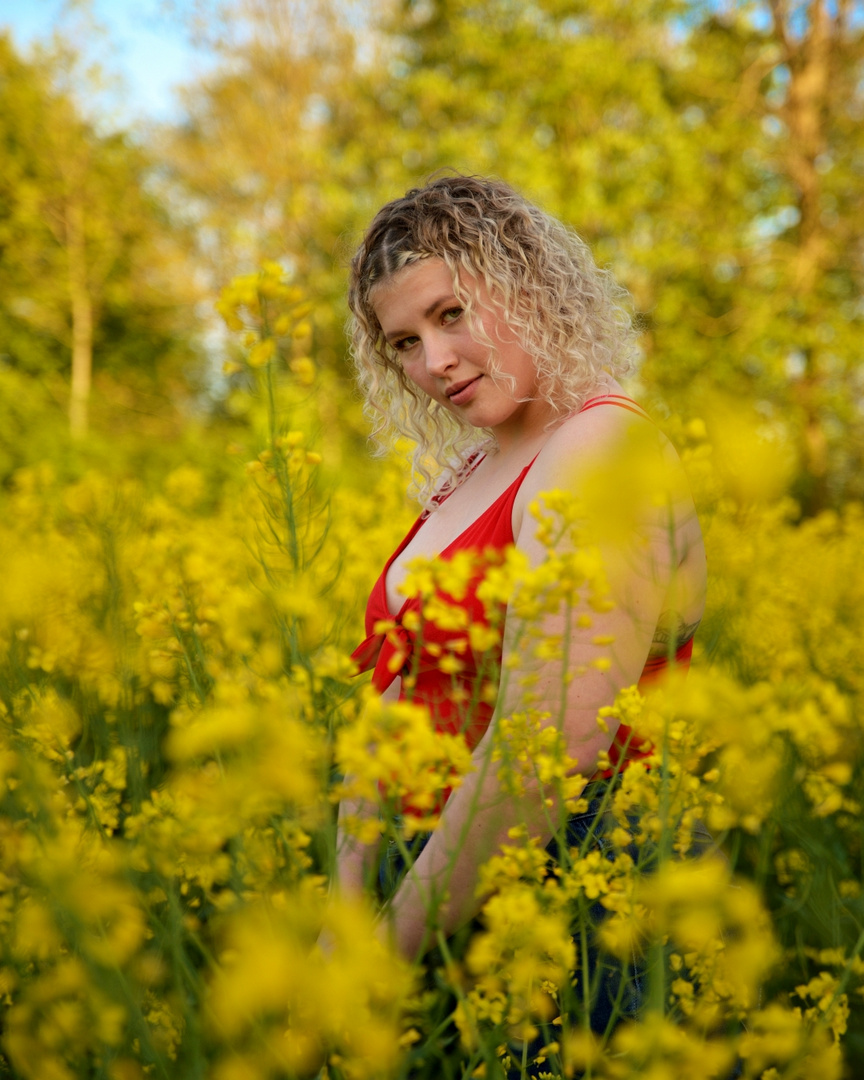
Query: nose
x=439 y=355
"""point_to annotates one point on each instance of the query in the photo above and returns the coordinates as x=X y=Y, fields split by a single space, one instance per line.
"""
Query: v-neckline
x=615 y=399
x=423 y=518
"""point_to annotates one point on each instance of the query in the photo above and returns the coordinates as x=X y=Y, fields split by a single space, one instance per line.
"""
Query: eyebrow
x=429 y=311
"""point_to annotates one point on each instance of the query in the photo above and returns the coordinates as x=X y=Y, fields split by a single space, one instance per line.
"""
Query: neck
x=525 y=432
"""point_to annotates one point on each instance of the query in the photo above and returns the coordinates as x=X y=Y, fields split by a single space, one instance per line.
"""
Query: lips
x=460 y=391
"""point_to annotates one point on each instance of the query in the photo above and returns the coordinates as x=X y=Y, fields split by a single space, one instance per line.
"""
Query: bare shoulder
x=610 y=456
x=607 y=439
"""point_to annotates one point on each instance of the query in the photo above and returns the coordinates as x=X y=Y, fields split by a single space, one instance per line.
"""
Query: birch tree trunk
x=82 y=319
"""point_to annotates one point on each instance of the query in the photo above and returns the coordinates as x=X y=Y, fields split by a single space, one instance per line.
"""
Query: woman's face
x=424 y=322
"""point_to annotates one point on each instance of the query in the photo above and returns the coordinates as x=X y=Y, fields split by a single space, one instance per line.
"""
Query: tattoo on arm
x=671 y=627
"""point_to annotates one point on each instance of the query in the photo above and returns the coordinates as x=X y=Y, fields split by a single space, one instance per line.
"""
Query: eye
x=451 y=314
x=403 y=344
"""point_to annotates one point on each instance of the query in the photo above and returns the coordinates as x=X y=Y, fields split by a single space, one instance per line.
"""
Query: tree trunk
x=804 y=111
x=82 y=320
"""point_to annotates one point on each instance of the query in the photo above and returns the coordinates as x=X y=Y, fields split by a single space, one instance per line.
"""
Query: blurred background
x=711 y=152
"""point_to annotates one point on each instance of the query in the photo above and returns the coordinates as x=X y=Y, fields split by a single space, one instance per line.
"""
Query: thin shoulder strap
x=614 y=399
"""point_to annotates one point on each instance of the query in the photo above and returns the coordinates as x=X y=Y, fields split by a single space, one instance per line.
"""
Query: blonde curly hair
x=563 y=310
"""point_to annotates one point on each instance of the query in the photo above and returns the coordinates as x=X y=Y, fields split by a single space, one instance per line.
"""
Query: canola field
x=178 y=712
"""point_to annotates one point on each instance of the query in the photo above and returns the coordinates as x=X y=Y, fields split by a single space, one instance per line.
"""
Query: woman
x=483 y=330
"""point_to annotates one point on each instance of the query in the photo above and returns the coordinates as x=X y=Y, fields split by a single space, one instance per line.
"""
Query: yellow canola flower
x=264 y=293
x=658 y=1048
x=482 y=638
x=522 y=948
x=450 y=665
x=268 y=756
x=777 y=1035
x=35 y=934
x=275 y=996
x=59 y=1022
x=456 y=573
x=392 y=752
x=830 y=1004
x=261 y=353
x=754 y=460
x=304 y=369
x=748 y=748
x=213 y=730
x=420 y=579
x=720 y=926
x=522 y=861
x=120 y=609
x=227 y=310
x=186 y=486
x=581 y=1050
x=113 y=921
x=567 y=578
x=502 y=577
x=444 y=615
x=272 y=270
x=76 y=900
x=598 y=877
x=51 y=722
x=533 y=752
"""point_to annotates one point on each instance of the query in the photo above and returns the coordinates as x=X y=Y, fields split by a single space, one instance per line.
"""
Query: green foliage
x=77 y=222
x=32 y=425
x=711 y=156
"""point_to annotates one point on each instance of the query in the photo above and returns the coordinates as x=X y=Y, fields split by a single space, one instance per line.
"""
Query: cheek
x=416 y=375
x=523 y=367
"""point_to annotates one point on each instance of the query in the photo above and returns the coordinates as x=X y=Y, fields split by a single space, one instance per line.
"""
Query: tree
x=85 y=262
x=271 y=160
x=710 y=153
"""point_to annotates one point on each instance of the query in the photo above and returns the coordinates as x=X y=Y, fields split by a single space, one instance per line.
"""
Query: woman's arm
x=355 y=857
x=440 y=892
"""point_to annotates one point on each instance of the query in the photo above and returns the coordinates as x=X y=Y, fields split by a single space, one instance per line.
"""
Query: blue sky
x=147 y=46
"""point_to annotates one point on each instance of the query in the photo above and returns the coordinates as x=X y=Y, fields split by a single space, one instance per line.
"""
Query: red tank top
x=438 y=666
